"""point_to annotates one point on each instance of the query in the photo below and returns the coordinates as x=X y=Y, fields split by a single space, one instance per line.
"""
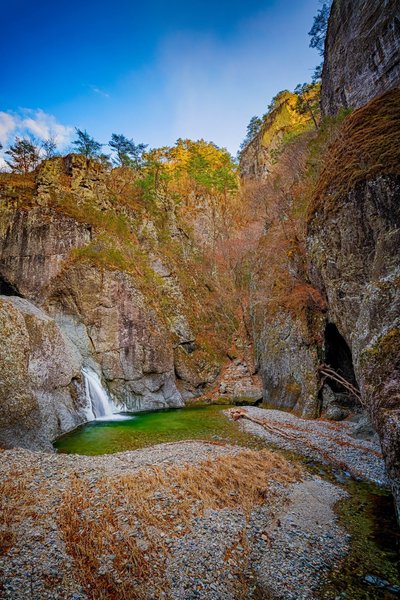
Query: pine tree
x=86 y=145
x=49 y=147
x=128 y=153
x=319 y=28
x=308 y=100
x=24 y=156
x=253 y=128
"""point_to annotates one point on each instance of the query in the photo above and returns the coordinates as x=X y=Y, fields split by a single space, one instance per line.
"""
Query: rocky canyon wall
x=361 y=58
x=326 y=286
x=353 y=250
x=92 y=276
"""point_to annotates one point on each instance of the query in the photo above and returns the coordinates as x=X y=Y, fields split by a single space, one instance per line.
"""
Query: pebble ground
x=283 y=550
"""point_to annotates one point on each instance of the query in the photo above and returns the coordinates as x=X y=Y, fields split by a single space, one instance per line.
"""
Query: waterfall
x=101 y=406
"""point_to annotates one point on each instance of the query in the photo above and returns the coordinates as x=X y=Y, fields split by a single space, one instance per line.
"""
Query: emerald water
x=155 y=427
x=370 y=570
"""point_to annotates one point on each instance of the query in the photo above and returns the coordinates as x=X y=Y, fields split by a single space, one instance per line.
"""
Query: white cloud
x=8 y=124
x=29 y=122
x=44 y=126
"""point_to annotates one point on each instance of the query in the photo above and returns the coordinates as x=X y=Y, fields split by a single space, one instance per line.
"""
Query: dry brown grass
x=129 y=517
x=16 y=504
x=366 y=145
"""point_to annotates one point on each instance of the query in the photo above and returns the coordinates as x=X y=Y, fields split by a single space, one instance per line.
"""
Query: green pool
x=155 y=427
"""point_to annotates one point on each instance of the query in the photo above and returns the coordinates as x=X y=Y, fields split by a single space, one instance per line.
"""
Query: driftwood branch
x=241 y=414
x=327 y=371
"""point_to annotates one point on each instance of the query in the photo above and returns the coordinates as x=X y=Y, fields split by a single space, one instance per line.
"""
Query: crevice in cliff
x=338 y=356
x=7 y=289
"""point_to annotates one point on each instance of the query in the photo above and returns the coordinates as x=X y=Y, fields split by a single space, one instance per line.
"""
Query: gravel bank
x=325 y=441
x=281 y=550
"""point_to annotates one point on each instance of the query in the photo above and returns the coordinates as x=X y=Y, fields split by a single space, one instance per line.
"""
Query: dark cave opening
x=7 y=289
x=338 y=356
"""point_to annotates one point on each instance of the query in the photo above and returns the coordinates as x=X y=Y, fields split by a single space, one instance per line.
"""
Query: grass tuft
x=116 y=531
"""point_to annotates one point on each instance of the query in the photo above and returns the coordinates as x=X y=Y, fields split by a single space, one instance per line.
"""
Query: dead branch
x=241 y=414
x=332 y=374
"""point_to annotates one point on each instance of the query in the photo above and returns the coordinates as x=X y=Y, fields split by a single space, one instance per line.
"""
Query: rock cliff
x=93 y=276
x=325 y=286
x=41 y=386
x=283 y=120
x=353 y=249
x=361 y=53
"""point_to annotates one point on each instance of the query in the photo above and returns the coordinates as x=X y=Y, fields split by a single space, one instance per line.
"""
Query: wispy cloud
x=32 y=123
x=216 y=84
x=99 y=91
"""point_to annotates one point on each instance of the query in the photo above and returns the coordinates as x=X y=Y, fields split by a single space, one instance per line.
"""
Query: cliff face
x=287 y=311
x=41 y=387
x=353 y=249
x=259 y=155
x=361 y=53
x=325 y=284
x=93 y=276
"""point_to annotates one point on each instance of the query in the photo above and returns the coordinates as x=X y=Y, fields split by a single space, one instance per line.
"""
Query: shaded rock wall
x=288 y=366
x=361 y=53
x=287 y=313
x=352 y=239
x=355 y=251
x=108 y=319
x=41 y=392
x=34 y=245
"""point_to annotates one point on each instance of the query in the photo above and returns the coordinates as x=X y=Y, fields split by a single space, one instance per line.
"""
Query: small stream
x=371 y=569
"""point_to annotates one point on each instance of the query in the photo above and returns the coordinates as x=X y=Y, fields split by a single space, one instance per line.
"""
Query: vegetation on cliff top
x=364 y=145
x=289 y=114
x=177 y=208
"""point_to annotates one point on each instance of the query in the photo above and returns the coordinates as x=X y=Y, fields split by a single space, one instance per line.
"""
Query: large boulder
x=41 y=393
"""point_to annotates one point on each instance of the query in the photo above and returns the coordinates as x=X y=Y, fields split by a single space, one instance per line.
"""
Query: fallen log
x=241 y=414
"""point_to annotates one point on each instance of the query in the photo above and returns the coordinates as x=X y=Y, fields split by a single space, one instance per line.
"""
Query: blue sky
x=154 y=71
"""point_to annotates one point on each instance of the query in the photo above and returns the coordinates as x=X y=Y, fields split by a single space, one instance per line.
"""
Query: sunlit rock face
x=258 y=156
x=361 y=53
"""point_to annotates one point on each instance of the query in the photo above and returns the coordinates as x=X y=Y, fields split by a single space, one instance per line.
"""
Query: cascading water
x=100 y=405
